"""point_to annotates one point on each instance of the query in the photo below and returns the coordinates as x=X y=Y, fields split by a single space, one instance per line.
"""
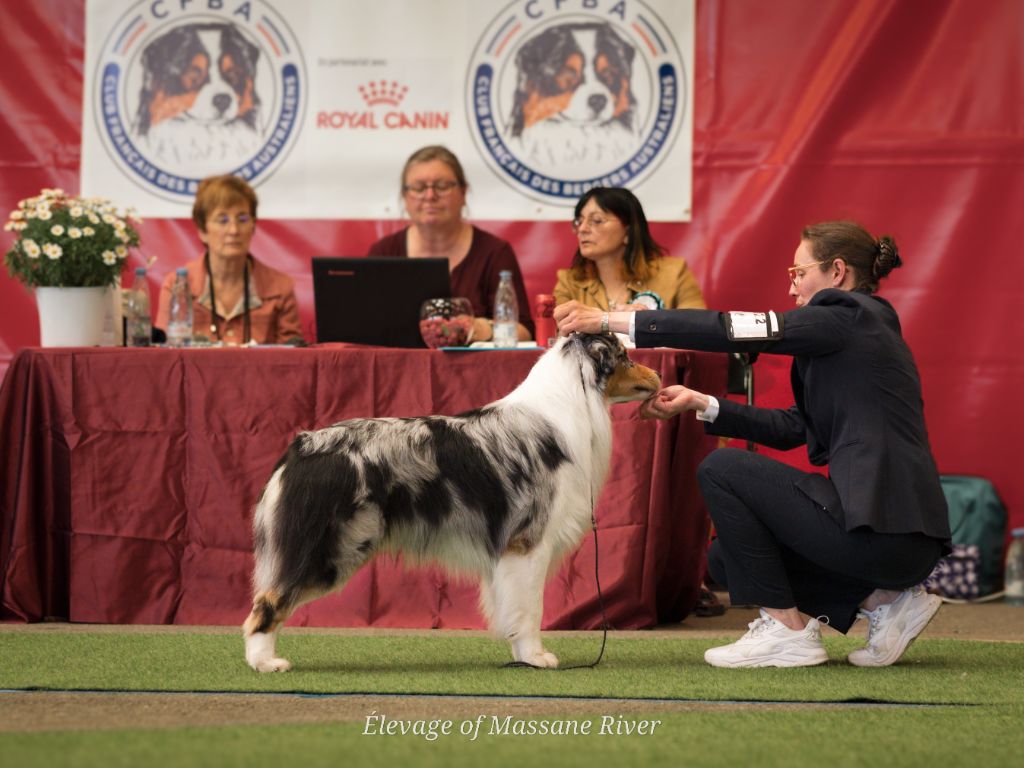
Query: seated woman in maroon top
x=434 y=192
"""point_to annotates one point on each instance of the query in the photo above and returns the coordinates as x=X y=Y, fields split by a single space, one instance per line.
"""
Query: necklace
x=614 y=304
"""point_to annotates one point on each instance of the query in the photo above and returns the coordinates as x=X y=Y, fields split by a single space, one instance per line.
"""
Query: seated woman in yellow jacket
x=618 y=266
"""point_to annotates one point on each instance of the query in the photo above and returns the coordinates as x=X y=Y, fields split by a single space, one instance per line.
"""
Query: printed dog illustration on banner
x=198 y=106
x=502 y=493
x=574 y=106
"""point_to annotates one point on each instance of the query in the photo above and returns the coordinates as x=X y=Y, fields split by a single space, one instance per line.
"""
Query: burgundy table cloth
x=130 y=475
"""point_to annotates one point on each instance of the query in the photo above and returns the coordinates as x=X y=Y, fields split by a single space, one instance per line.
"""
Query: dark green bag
x=977 y=516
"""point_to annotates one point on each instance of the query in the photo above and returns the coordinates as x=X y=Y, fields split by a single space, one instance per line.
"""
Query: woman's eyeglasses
x=797 y=271
x=420 y=188
x=223 y=222
x=594 y=222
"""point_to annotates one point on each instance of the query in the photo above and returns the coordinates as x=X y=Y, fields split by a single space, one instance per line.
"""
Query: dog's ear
x=607 y=37
x=538 y=62
x=240 y=73
x=620 y=51
x=163 y=62
x=171 y=54
x=239 y=47
x=529 y=60
x=602 y=352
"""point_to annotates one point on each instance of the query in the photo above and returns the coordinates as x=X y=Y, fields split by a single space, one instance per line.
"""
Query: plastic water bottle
x=179 y=319
x=506 y=313
x=1014 y=575
x=137 y=312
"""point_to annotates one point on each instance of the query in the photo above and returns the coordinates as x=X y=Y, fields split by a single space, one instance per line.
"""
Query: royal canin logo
x=375 y=94
x=383 y=92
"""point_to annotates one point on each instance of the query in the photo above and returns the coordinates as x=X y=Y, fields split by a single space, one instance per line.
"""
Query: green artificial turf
x=962 y=701
x=873 y=738
x=932 y=671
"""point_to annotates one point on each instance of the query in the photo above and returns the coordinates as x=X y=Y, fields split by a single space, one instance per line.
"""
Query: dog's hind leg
x=280 y=590
x=269 y=612
x=516 y=603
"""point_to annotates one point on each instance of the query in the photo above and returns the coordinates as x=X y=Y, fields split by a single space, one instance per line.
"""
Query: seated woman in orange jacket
x=236 y=299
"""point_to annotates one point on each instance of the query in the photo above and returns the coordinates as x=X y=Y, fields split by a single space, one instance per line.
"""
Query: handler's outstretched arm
x=574 y=316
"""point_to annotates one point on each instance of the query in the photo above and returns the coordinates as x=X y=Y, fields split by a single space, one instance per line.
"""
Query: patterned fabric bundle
x=956 y=575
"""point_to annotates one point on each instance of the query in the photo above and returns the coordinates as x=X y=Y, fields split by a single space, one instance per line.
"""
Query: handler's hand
x=573 y=316
x=671 y=401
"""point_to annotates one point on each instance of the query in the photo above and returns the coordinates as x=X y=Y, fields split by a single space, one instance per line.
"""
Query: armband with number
x=753 y=326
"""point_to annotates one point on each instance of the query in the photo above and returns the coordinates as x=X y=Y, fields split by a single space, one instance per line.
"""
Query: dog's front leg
x=517 y=604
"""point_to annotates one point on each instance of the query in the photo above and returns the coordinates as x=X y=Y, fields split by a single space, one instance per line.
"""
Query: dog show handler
x=801 y=545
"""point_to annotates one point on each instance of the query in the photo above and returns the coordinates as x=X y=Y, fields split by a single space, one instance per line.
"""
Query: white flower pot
x=71 y=317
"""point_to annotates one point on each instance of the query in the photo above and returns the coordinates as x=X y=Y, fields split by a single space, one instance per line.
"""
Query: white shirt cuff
x=632 y=327
x=710 y=413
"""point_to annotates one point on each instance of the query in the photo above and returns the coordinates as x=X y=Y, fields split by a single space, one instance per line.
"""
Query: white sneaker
x=770 y=643
x=894 y=627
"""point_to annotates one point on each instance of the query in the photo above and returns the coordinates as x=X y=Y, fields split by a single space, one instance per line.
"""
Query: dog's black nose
x=597 y=102
x=222 y=101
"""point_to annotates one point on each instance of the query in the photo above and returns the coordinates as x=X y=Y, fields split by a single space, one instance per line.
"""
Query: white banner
x=319 y=102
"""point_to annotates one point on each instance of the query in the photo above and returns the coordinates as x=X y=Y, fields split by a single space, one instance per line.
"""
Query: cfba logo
x=566 y=95
x=188 y=90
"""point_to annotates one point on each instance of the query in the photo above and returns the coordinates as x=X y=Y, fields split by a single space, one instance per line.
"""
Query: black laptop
x=375 y=300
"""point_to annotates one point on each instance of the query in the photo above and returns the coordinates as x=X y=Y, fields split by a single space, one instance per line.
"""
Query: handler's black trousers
x=776 y=548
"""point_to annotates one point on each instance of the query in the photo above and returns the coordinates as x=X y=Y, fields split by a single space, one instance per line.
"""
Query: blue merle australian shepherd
x=503 y=493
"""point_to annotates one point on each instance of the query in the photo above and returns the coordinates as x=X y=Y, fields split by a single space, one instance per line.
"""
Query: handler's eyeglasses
x=419 y=189
x=797 y=271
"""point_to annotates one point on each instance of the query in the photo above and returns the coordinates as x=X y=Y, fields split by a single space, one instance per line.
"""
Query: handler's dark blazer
x=858 y=406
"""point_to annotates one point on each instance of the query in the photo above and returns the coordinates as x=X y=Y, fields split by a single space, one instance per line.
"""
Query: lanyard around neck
x=246 y=327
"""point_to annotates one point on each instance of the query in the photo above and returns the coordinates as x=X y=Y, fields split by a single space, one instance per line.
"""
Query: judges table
x=130 y=475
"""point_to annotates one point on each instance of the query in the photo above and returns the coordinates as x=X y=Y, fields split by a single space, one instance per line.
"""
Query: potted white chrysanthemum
x=71 y=251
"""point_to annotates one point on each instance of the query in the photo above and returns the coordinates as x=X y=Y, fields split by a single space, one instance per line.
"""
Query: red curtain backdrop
x=906 y=115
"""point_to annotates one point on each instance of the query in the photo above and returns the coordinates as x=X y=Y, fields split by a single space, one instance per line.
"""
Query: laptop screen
x=370 y=300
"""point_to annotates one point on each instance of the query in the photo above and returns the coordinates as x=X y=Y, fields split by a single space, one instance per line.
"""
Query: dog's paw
x=543 y=659
x=271 y=665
